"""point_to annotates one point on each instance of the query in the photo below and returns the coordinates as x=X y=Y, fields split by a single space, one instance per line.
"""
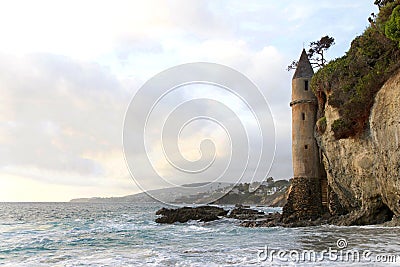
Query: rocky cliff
x=363 y=172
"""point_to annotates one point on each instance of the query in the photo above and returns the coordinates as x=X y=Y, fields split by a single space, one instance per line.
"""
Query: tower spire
x=303 y=69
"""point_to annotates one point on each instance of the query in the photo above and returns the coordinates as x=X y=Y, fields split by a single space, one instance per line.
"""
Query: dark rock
x=202 y=213
x=394 y=222
x=241 y=206
x=255 y=218
x=268 y=220
x=245 y=214
x=374 y=214
x=335 y=207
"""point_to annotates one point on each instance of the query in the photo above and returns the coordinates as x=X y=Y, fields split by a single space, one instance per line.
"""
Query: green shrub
x=341 y=128
x=351 y=82
x=321 y=125
x=392 y=26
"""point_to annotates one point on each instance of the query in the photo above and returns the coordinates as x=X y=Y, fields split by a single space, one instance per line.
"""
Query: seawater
x=124 y=234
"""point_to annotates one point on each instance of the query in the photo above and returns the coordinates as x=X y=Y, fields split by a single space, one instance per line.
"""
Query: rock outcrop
x=364 y=172
x=209 y=213
x=202 y=213
x=242 y=213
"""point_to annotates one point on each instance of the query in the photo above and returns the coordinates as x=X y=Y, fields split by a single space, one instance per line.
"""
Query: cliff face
x=364 y=172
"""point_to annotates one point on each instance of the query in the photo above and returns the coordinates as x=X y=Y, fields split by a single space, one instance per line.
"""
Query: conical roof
x=304 y=69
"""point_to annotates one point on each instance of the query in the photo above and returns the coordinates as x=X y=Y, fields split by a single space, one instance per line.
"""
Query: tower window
x=306 y=85
x=306 y=147
x=303 y=116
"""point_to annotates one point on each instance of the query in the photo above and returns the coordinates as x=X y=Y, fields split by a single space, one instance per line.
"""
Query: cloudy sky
x=68 y=70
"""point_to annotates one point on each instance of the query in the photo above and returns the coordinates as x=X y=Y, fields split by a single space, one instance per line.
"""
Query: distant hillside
x=166 y=194
x=271 y=193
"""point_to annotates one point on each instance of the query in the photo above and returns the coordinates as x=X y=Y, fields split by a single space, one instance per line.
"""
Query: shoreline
x=250 y=217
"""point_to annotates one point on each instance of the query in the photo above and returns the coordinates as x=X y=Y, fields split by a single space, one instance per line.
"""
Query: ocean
x=123 y=234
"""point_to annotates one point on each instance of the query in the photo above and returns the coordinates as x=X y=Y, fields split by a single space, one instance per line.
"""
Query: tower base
x=304 y=201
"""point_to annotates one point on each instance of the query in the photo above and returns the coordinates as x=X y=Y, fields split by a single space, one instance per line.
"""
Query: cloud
x=268 y=59
x=59 y=114
x=64 y=121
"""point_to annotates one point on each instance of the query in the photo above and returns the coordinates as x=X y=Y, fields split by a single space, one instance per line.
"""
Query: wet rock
x=241 y=213
x=242 y=206
x=184 y=214
x=394 y=222
x=268 y=220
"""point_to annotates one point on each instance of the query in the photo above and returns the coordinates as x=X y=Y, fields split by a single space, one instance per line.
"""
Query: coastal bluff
x=363 y=173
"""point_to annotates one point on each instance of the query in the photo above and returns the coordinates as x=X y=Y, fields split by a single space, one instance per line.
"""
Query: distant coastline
x=269 y=193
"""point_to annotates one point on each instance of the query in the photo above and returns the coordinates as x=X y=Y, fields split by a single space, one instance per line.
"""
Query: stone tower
x=305 y=198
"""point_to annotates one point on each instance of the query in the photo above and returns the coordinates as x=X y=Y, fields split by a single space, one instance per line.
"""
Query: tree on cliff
x=392 y=26
x=382 y=3
x=316 y=52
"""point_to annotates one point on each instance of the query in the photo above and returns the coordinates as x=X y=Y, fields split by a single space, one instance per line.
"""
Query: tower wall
x=305 y=196
x=305 y=153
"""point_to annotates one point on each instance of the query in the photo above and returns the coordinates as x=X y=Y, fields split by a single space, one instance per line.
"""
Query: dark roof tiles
x=304 y=69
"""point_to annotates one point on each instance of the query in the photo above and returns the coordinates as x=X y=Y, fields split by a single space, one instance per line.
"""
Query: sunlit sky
x=68 y=70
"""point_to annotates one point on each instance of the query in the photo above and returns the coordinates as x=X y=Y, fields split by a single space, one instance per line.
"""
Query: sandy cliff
x=364 y=172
